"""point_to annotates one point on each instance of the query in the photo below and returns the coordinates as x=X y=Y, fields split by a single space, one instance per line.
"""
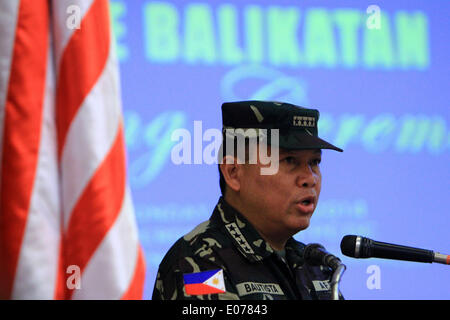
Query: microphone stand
x=337 y=275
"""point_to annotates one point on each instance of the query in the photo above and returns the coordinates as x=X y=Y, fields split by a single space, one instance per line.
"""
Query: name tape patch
x=321 y=285
x=246 y=288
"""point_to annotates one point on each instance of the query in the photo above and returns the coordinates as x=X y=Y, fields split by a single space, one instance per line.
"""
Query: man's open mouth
x=307 y=201
x=307 y=204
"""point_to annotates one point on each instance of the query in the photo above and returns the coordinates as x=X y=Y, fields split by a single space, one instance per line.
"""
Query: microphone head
x=348 y=245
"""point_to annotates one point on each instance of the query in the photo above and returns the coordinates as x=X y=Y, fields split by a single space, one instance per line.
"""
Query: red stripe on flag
x=82 y=63
x=136 y=288
x=200 y=289
x=97 y=208
x=22 y=129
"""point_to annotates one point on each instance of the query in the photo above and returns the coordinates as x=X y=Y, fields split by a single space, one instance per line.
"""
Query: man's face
x=282 y=204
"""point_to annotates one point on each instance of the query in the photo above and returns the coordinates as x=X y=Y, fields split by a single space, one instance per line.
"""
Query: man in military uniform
x=246 y=250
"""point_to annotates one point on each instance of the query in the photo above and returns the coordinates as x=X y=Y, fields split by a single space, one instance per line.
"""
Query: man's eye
x=316 y=162
x=290 y=160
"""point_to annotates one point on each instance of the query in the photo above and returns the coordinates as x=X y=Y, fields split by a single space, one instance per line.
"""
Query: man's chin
x=300 y=225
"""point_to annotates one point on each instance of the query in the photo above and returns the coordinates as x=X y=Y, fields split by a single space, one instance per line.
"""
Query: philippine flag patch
x=206 y=282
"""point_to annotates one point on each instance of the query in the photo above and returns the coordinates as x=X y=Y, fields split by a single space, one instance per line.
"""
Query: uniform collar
x=245 y=237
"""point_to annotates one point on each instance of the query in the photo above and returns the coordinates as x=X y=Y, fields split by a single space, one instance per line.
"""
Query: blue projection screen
x=378 y=73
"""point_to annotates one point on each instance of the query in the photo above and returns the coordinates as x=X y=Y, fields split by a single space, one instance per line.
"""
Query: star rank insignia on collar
x=239 y=238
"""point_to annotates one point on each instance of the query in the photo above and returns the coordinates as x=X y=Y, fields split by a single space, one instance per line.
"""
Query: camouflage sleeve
x=170 y=283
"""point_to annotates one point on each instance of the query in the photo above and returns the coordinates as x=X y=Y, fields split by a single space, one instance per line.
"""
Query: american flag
x=67 y=225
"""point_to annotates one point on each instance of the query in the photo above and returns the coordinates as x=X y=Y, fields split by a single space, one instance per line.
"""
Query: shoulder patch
x=206 y=282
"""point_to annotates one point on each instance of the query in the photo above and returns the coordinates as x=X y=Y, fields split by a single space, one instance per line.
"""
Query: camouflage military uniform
x=251 y=268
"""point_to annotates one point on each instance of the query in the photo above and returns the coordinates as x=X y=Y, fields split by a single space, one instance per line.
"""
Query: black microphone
x=316 y=255
x=361 y=247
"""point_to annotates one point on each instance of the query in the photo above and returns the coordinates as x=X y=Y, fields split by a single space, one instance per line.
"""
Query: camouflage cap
x=297 y=125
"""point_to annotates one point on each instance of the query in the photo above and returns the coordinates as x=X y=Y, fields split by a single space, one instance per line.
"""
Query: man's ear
x=230 y=171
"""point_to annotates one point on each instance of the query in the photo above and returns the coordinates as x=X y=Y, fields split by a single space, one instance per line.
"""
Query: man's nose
x=306 y=178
